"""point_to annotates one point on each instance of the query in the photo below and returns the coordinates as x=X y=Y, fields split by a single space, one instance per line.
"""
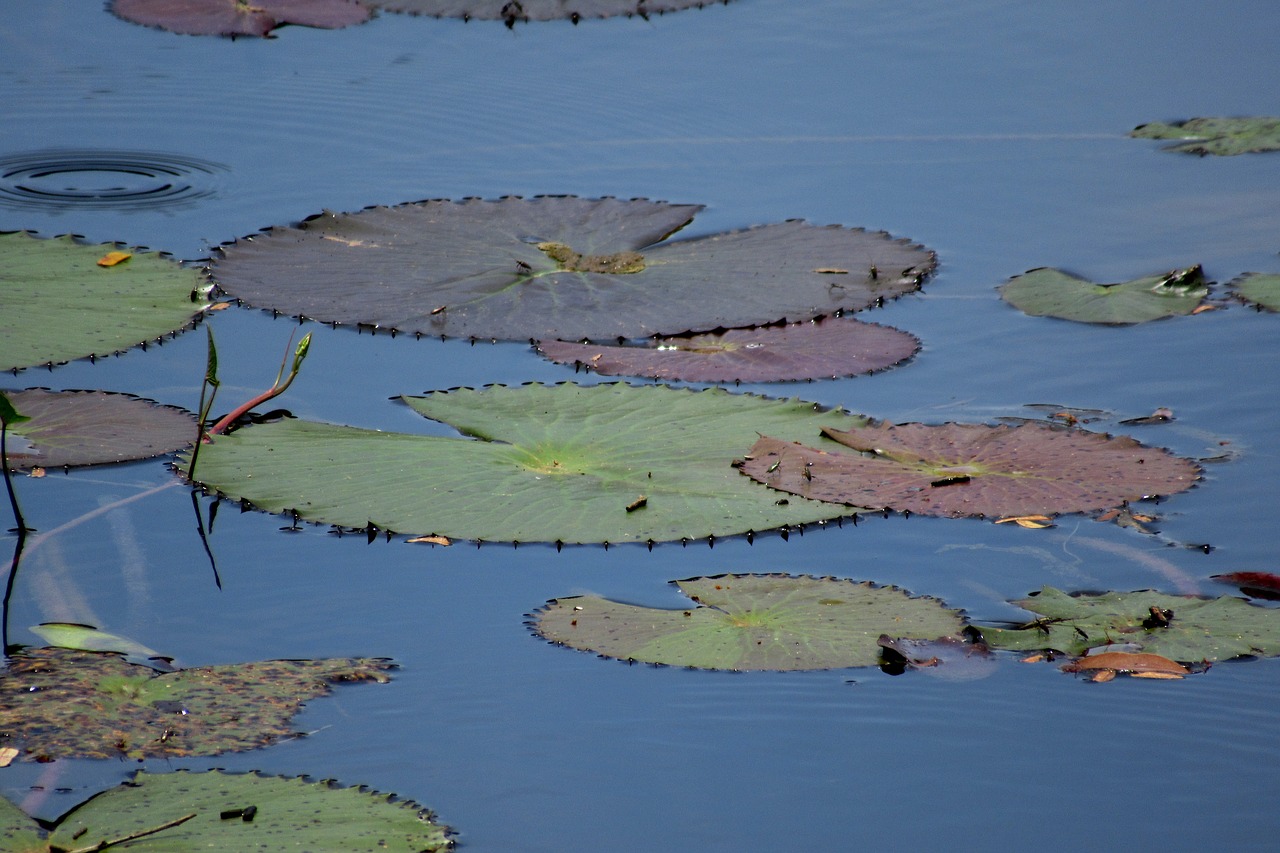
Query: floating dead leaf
x=1127 y=662
x=36 y=472
x=432 y=540
x=110 y=259
x=1031 y=521
x=7 y=754
x=1103 y=675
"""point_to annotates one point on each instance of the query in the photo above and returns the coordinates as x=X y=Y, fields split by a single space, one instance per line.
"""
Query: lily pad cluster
x=64 y=703
x=1222 y=136
x=228 y=812
x=61 y=299
x=751 y=622
x=561 y=267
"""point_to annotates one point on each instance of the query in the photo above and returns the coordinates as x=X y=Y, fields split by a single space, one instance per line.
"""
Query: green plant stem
x=104 y=844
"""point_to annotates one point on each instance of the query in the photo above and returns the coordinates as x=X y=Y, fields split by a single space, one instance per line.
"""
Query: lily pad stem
x=104 y=844
x=275 y=390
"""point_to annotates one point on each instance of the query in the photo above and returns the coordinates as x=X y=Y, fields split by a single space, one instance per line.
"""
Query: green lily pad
x=1262 y=289
x=219 y=812
x=62 y=703
x=1049 y=292
x=564 y=463
x=751 y=622
x=1224 y=136
x=58 y=304
x=1199 y=629
x=86 y=638
x=826 y=349
x=73 y=428
x=512 y=11
x=239 y=17
x=972 y=469
x=561 y=267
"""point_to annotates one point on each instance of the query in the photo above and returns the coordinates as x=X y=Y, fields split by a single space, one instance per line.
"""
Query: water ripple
x=119 y=180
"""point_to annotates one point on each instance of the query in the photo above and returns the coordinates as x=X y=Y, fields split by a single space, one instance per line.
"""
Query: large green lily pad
x=1223 y=136
x=825 y=349
x=1261 y=289
x=561 y=267
x=564 y=463
x=512 y=11
x=58 y=304
x=971 y=469
x=751 y=622
x=239 y=17
x=1187 y=628
x=73 y=428
x=218 y=812
x=1049 y=292
x=62 y=703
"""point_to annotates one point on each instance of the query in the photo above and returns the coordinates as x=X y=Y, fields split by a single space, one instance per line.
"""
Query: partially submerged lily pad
x=511 y=12
x=1049 y=292
x=1179 y=627
x=971 y=469
x=239 y=17
x=561 y=267
x=564 y=463
x=61 y=703
x=57 y=303
x=751 y=622
x=825 y=349
x=1223 y=136
x=948 y=658
x=1262 y=289
x=73 y=428
x=219 y=812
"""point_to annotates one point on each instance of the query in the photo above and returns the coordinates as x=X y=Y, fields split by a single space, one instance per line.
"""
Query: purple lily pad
x=239 y=17
x=73 y=428
x=959 y=470
x=826 y=349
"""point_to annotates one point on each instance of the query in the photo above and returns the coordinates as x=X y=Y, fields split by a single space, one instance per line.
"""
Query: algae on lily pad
x=239 y=17
x=825 y=349
x=564 y=463
x=73 y=428
x=971 y=469
x=62 y=703
x=561 y=267
x=1183 y=628
x=1047 y=292
x=1261 y=289
x=511 y=12
x=1223 y=136
x=751 y=622
x=57 y=303
x=220 y=812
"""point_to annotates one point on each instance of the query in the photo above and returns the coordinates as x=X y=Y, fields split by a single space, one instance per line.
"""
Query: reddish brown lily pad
x=239 y=17
x=512 y=11
x=73 y=428
x=826 y=349
x=971 y=469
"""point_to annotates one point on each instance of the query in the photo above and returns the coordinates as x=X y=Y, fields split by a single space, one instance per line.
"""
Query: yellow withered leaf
x=110 y=259
x=432 y=540
x=1032 y=521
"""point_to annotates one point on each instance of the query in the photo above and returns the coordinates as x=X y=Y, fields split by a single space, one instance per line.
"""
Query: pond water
x=993 y=132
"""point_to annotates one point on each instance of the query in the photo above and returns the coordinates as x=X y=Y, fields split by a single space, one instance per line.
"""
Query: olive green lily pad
x=1224 y=136
x=1261 y=289
x=239 y=17
x=972 y=469
x=1179 y=627
x=73 y=428
x=57 y=303
x=219 y=812
x=86 y=638
x=825 y=349
x=561 y=267
x=751 y=622
x=1049 y=292
x=62 y=703
x=512 y=11
x=563 y=463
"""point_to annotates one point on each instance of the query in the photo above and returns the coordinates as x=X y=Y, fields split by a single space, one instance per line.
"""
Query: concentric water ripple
x=120 y=180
